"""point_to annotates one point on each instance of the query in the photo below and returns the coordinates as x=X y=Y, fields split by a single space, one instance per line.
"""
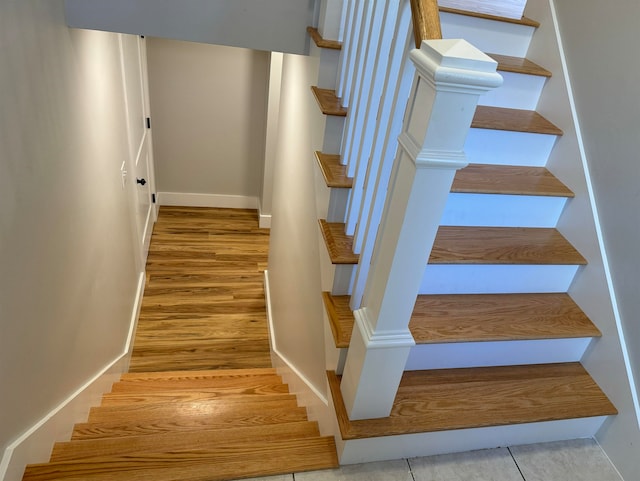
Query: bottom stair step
x=451 y=399
x=233 y=460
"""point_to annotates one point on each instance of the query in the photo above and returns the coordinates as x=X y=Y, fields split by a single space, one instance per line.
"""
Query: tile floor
x=577 y=460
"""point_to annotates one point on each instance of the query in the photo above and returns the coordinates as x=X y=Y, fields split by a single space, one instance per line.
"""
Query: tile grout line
x=516 y=463
x=410 y=470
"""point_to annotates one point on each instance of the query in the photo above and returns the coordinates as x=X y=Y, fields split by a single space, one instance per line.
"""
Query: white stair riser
x=328 y=71
x=503 y=147
x=460 y=440
x=496 y=279
x=493 y=210
x=338 y=201
x=504 y=8
x=343 y=279
x=333 y=129
x=474 y=278
x=490 y=36
x=498 y=353
x=519 y=91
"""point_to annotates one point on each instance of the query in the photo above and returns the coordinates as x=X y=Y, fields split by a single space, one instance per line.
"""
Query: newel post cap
x=456 y=62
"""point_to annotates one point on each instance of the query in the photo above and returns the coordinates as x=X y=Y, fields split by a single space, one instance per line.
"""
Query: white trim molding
x=187 y=199
x=308 y=395
x=35 y=444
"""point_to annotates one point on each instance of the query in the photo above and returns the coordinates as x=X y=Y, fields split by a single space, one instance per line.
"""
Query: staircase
x=196 y=425
x=498 y=335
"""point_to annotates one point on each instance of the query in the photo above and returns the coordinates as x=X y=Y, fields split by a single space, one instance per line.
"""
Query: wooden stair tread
x=515 y=120
x=192 y=406
x=340 y=317
x=203 y=439
x=508 y=180
x=448 y=318
x=182 y=380
x=448 y=399
x=233 y=462
x=247 y=414
x=502 y=245
x=339 y=245
x=196 y=375
x=507 y=63
x=474 y=245
x=334 y=173
x=328 y=102
x=190 y=395
x=498 y=317
x=520 y=21
x=322 y=42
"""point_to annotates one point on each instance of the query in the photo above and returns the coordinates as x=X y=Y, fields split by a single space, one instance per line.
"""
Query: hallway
x=203 y=305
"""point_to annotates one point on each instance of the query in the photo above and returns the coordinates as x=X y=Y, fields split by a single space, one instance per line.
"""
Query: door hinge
x=153 y=198
x=148 y=122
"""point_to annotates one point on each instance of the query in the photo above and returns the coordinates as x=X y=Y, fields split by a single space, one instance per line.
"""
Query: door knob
x=141 y=181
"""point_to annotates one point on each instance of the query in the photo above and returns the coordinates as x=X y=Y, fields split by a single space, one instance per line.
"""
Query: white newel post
x=450 y=77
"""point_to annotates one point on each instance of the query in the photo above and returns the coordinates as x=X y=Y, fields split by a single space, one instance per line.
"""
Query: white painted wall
x=208 y=118
x=274 y=25
x=68 y=274
x=294 y=272
x=600 y=42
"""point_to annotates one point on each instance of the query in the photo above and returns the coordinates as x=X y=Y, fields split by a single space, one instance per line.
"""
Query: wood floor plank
x=508 y=180
x=447 y=399
x=204 y=304
x=334 y=173
x=328 y=103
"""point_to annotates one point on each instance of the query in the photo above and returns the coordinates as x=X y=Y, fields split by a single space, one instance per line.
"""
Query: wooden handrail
x=426 y=20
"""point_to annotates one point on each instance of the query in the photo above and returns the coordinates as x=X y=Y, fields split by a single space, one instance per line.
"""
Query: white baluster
x=451 y=75
x=385 y=147
x=367 y=103
x=387 y=114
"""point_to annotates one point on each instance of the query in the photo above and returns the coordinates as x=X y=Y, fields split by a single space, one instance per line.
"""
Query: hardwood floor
x=203 y=305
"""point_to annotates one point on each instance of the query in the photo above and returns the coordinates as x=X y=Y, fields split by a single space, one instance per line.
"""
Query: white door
x=140 y=166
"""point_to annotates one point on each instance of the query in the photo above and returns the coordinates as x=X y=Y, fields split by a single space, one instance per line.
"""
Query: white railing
x=409 y=115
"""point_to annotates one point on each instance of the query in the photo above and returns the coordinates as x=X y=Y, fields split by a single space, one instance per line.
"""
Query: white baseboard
x=265 y=221
x=207 y=200
x=35 y=445
x=308 y=396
